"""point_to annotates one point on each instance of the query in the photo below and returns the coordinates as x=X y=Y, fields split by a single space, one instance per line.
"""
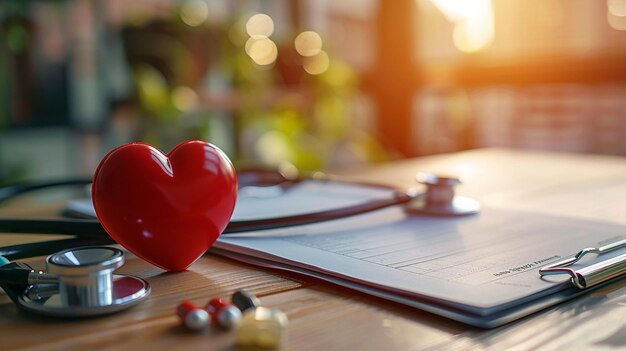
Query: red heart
x=166 y=209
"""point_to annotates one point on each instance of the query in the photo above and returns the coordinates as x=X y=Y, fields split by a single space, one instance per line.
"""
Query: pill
x=223 y=314
x=262 y=327
x=192 y=317
x=245 y=300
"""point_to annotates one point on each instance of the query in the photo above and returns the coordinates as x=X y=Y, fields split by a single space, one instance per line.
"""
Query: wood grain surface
x=326 y=317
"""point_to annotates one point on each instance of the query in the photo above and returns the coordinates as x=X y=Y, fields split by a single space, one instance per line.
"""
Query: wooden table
x=326 y=317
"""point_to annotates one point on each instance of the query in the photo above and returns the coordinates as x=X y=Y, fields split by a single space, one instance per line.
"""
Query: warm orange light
x=473 y=22
x=617 y=7
x=194 y=12
x=472 y=35
x=260 y=24
x=308 y=43
x=317 y=64
x=262 y=50
x=551 y=13
x=616 y=14
x=616 y=22
x=455 y=10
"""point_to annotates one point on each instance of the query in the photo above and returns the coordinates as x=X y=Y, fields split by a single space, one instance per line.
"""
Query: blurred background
x=315 y=84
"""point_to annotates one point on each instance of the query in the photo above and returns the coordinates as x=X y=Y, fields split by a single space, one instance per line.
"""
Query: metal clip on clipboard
x=594 y=274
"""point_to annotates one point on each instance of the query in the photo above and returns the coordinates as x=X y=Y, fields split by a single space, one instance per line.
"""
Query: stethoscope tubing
x=91 y=232
x=21 y=251
x=92 y=229
x=8 y=192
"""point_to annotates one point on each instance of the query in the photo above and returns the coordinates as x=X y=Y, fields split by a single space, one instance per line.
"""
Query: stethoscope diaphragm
x=80 y=283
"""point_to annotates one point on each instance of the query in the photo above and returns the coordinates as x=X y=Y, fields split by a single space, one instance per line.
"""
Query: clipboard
x=594 y=274
x=487 y=322
x=490 y=305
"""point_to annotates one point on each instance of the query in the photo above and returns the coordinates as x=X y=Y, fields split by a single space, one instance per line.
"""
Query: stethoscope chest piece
x=439 y=199
x=83 y=285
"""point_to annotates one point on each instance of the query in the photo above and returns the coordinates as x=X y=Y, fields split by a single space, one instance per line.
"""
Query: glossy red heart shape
x=166 y=209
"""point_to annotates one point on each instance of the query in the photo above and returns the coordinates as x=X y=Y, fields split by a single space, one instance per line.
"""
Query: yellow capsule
x=261 y=327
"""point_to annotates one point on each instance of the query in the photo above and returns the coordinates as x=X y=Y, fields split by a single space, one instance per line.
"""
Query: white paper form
x=482 y=263
x=601 y=201
x=304 y=197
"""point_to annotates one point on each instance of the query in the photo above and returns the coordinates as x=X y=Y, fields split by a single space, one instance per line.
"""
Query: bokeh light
x=184 y=98
x=288 y=170
x=472 y=35
x=617 y=7
x=194 y=12
x=473 y=22
x=308 y=43
x=616 y=22
x=616 y=14
x=260 y=24
x=454 y=10
x=273 y=148
x=317 y=64
x=151 y=87
x=262 y=50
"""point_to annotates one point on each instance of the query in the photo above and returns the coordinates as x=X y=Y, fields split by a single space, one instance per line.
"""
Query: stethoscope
x=80 y=280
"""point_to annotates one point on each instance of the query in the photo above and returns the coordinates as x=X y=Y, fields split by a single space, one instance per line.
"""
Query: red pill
x=223 y=314
x=192 y=316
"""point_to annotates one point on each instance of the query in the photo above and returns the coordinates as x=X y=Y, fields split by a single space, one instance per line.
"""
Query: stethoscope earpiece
x=440 y=199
